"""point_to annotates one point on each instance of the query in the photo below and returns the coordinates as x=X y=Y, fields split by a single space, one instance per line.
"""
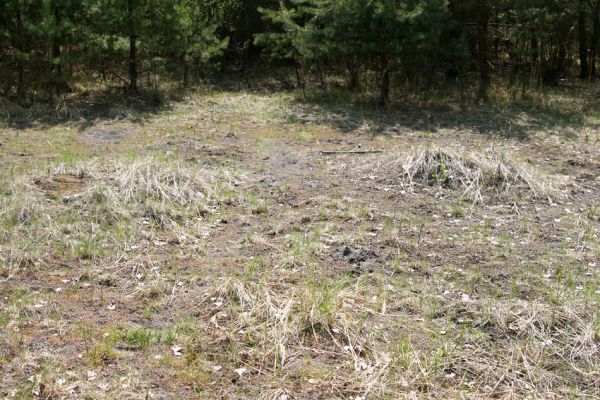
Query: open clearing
x=210 y=249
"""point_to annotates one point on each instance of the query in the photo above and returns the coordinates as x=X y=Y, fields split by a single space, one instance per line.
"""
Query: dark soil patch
x=358 y=256
x=362 y=260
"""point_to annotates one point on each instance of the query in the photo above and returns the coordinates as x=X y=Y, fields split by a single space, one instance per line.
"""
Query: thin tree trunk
x=133 y=73
x=186 y=66
x=322 y=83
x=20 y=81
x=384 y=90
x=70 y=66
x=186 y=73
x=353 y=71
x=595 y=38
x=583 y=50
x=20 y=66
x=300 y=79
x=461 y=78
x=482 y=51
x=535 y=60
x=561 y=62
x=56 y=69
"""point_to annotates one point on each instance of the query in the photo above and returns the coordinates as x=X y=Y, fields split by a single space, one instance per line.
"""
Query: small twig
x=326 y=153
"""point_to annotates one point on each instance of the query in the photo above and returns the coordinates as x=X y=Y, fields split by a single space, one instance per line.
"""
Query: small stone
x=176 y=350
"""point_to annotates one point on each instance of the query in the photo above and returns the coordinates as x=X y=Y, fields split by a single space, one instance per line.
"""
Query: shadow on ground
x=562 y=111
x=82 y=109
x=567 y=112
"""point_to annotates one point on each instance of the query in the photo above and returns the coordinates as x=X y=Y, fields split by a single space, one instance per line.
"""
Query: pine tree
x=298 y=34
x=47 y=46
x=360 y=32
x=199 y=41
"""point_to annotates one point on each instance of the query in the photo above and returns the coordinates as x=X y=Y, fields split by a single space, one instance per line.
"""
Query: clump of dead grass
x=173 y=196
x=20 y=214
x=477 y=174
x=91 y=207
x=147 y=179
x=169 y=193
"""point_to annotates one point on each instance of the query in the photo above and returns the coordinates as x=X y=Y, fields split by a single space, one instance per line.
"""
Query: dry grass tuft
x=288 y=326
x=546 y=350
x=477 y=174
x=150 y=180
x=141 y=201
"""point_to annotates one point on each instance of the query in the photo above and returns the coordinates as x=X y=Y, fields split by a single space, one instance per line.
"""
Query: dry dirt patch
x=107 y=134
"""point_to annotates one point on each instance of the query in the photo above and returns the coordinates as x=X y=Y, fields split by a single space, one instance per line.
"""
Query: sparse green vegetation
x=102 y=354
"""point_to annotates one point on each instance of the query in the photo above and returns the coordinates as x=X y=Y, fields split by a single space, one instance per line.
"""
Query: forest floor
x=244 y=245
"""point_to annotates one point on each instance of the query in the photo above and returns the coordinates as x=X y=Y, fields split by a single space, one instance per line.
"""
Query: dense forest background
x=49 y=48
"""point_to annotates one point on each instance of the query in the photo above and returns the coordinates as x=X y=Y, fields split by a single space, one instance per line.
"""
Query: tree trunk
x=353 y=72
x=482 y=51
x=20 y=66
x=20 y=81
x=186 y=64
x=70 y=65
x=595 y=38
x=300 y=79
x=186 y=73
x=384 y=90
x=583 y=50
x=561 y=62
x=322 y=83
x=535 y=59
x=133 y=73
x=56 y=69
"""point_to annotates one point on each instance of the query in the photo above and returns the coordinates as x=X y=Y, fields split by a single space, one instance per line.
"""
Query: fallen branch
x=326 y=153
